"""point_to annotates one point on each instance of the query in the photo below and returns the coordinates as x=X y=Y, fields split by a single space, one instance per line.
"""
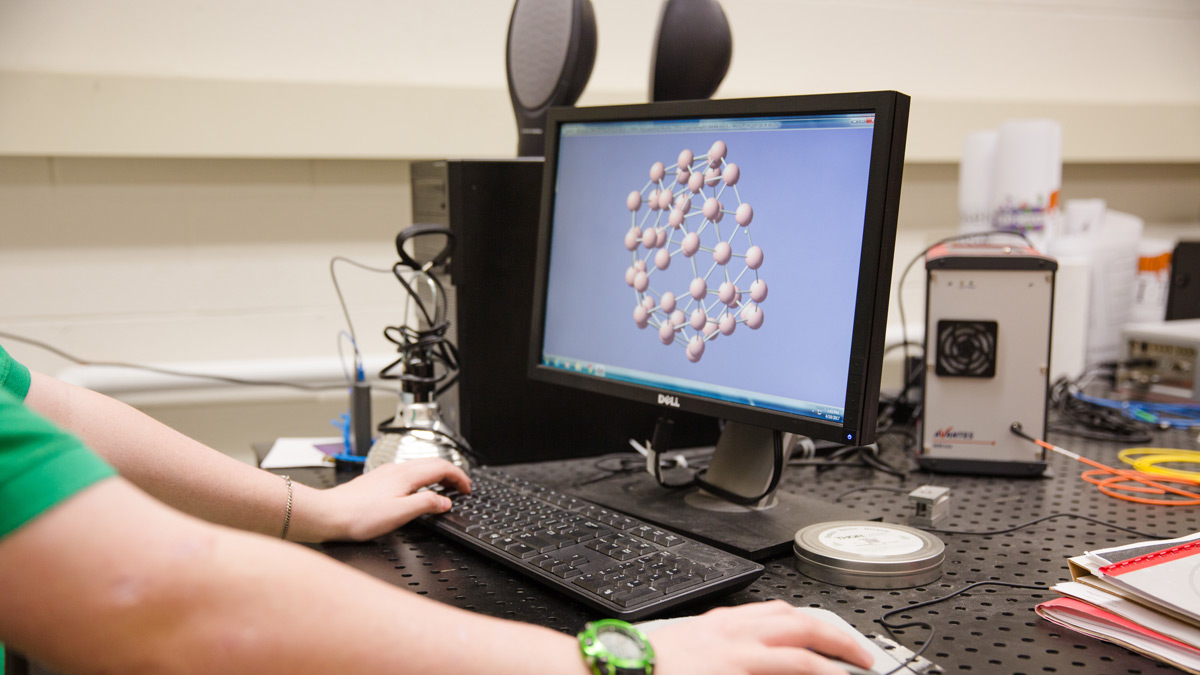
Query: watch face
x=620 y=644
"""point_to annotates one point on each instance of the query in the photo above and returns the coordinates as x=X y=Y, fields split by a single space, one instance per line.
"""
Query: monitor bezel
x=890 y=110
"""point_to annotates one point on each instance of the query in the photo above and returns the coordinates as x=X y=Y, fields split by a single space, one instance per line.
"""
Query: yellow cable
x=1147 y=460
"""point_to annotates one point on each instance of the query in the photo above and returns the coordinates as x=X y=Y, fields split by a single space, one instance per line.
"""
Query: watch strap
x=602 y=661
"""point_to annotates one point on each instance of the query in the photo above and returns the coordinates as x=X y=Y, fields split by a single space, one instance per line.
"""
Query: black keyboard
x=624 y=567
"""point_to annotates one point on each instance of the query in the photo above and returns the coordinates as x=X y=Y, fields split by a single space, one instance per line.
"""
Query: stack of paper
x=1143 y=596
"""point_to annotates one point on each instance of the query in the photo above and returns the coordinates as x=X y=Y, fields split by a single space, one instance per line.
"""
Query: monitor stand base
x=754 y=533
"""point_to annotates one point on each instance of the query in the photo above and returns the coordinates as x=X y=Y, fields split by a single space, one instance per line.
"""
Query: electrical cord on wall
x=166 y=371
x=338 y=289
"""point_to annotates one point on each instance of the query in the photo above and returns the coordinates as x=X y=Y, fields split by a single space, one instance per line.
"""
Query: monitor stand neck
x=746 y=464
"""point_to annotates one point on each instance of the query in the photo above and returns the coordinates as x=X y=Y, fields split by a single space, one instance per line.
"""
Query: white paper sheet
x=293 y=453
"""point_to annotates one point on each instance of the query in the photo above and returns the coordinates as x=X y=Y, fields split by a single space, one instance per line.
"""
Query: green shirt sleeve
x=40 y=465
x=14 y=376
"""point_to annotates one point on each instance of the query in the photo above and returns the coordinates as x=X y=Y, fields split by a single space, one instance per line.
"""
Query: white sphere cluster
x=714 y=285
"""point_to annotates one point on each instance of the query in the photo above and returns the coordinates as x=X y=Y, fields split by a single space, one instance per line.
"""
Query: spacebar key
x=456 y=521
x=636 y=595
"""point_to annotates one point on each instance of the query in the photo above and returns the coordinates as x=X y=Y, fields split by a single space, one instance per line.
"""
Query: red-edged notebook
x=1098 y=623
x=1169 y=577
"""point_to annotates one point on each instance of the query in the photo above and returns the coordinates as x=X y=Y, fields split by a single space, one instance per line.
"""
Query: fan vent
x=966 y=348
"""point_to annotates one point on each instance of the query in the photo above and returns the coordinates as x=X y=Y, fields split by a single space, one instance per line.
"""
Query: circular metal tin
x=865 y=554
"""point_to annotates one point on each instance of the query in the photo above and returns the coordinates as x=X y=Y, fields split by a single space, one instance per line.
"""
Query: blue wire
x=342 y=422
x=1174 y=415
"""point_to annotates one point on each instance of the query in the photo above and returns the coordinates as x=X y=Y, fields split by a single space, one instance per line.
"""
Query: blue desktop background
x=808 y=189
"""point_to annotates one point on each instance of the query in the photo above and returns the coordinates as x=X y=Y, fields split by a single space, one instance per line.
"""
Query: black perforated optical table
x=989 y=630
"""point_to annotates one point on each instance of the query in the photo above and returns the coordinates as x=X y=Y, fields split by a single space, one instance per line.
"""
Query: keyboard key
x=634 y=593
x=590 y=582
x=457 y=519
x=536 y=542
x=623 y=554
x=521 y=551
x=682 y=582
x=581 y=534
x=575 y=559
x=565 y=571
x=502 y=542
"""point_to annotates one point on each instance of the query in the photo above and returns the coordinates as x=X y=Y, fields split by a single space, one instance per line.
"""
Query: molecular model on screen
x=694 y=273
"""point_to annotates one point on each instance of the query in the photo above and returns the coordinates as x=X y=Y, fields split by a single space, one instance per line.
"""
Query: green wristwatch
x=613 y=647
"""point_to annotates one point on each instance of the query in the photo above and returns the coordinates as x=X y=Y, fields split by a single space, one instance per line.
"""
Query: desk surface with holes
x=990 y=630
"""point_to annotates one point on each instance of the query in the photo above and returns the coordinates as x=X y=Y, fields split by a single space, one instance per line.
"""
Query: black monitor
x=730 y=258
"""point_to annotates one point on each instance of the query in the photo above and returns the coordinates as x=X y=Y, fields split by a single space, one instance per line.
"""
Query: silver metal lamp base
x=423 y=435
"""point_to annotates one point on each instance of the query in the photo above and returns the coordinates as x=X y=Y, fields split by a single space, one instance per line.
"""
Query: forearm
x=147 y=589
x=178 y=470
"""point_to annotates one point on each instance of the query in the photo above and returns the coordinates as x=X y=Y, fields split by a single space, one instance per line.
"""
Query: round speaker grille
x=538 y=43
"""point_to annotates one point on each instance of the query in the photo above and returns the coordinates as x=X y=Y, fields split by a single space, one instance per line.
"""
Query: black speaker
x=492 y=207
x=692 y=51
x=551 y=50
x=1183 y=295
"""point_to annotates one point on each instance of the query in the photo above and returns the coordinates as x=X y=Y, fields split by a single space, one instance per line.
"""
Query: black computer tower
x=492 y=207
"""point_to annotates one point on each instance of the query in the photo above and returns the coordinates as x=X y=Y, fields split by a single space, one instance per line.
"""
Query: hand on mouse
x=755 y=639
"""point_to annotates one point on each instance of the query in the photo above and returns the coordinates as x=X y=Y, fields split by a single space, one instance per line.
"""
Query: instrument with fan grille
x=987 y=357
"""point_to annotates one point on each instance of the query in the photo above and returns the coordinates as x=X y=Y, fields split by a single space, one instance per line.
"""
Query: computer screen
x=727 y=257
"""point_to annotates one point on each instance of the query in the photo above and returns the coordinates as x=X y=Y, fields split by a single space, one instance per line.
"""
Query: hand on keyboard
x=382 y=500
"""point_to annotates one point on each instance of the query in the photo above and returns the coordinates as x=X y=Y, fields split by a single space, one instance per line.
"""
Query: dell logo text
x=672 y=401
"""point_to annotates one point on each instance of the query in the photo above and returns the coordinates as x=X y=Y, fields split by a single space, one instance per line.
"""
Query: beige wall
x=220 y=260
x=191 y=262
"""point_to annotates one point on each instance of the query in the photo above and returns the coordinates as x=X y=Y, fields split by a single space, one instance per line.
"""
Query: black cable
x=870 y=456
x=626 y=464
x=1049 y=517
x=776 y=474
x=441 y=293
x=432 y=338
x=1077 y=417
x=824 y=464
x=166 y=371
x=630 y=462
x=883 y=621
x=855 y=455
x=885 y=488
x=885 y=416
x=430 y=342
x=458 y=441
x=899 y=345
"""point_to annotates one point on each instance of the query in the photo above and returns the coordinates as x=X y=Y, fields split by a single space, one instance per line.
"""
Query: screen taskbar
x=825 y=413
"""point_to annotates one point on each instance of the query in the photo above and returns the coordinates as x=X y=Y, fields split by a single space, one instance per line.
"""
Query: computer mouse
x=852 y=669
